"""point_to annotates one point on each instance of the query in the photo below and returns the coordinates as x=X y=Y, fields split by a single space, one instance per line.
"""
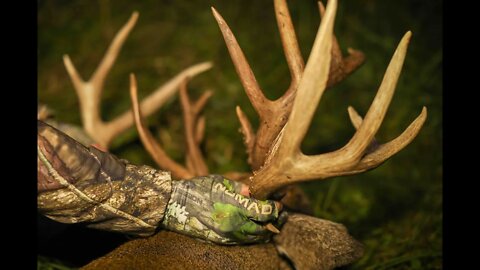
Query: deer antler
x=194 y=131
x=89 y=92
x=274 y=114
x=341 y=67
x=286 y=164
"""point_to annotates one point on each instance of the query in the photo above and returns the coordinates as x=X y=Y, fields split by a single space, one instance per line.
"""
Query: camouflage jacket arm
x=83 y=184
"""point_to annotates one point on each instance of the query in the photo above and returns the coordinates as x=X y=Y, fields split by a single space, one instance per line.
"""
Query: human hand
x=219 y=210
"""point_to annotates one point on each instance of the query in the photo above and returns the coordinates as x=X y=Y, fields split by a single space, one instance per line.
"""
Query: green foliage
x=395 y=210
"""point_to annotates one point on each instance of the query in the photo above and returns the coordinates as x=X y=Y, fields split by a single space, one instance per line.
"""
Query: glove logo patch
x=245 y=201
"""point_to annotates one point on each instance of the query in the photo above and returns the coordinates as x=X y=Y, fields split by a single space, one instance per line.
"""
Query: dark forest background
x=395 y=210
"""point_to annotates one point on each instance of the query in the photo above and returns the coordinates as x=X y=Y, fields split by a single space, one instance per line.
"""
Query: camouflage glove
x=213 y=208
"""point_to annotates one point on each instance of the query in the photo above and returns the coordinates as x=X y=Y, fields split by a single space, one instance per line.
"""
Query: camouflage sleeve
x=80 y=184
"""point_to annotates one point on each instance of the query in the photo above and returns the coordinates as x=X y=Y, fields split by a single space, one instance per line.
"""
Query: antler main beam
x=286 y=163
x=274 y=113
x=89 y=92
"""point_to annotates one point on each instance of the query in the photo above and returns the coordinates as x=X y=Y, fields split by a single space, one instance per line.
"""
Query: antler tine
x=350 y=63
x=381 y=153
x=198 y=106
x=200 y=130
x=194 y=156
x=89 y=92
x=341 y=67
x=290 y=43
x=355 y=118
x=249 y=82
x=149 y=142
x=273 y=114
x=98 y=77
x=248 y=133
x=356 y=122
x=77 y=80
x=369 y=127
x=337 y=56
x=312 y=85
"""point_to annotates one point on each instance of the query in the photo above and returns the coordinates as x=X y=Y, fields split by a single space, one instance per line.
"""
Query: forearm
x=80 y=184
x=83 y=184
x=135 y=205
